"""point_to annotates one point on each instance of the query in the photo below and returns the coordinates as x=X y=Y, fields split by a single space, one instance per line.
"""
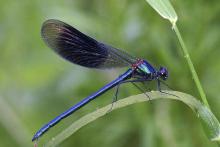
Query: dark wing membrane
x=81 y=49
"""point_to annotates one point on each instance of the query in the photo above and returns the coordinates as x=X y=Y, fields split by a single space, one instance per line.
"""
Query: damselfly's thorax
x=144 y=69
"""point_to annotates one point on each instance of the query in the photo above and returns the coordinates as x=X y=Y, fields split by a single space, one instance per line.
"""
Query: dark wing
x=81 y=49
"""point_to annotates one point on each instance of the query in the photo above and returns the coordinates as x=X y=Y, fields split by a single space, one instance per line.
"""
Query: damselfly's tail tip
x=33 y=139
x=36 y=136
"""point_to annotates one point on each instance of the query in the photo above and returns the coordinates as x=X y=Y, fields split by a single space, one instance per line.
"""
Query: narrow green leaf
x=165 y=9
x=207 y=118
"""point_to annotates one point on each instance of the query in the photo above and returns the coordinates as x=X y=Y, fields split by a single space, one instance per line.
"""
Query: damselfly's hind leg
x=115 y=98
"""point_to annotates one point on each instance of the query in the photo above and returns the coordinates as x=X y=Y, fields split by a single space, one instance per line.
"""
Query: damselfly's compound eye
x=163 y=73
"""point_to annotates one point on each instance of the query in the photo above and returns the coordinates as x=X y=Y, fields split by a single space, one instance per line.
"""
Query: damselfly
x=83 y=50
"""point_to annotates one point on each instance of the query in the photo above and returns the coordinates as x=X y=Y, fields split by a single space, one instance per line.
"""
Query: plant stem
x=191 y=67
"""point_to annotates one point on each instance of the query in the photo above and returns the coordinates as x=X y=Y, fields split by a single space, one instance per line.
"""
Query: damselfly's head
x=163 y=73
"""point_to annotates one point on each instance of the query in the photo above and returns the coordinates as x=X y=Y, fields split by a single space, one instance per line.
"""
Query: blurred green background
x=36 y=85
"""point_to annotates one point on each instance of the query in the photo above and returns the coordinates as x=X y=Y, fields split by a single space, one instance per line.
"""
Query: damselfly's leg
x=159 y=89
x=115 y=98
x=133 y=82
x=162 y=82
x=158 y=85
x=141 y=89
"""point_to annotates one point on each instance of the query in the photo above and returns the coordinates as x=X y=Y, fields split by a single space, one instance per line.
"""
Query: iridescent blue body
x=83 y=50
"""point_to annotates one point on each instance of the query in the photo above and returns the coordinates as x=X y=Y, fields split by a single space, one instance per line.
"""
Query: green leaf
x=208 y=119
x=165 y=9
